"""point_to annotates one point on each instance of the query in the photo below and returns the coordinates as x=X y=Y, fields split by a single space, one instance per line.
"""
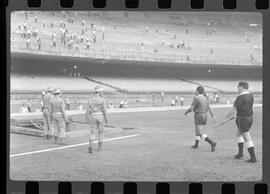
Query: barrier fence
x=121 y=54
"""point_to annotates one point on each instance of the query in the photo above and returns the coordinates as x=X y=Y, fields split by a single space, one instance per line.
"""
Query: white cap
x=98 y=89
x=56 y=91
x=50 y=89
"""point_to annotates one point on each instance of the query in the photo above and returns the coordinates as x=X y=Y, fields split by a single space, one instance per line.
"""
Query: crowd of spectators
x=80 y=33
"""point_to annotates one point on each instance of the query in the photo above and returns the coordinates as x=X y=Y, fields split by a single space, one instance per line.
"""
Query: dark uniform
x=243 y=104
x=244 y=119
x=200 y=107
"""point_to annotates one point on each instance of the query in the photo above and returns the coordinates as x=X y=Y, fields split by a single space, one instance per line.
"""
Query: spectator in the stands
x=53 y=35
x=87 y=45
x=26 y=15
x=94 y=35
x=176 y=99
x=110 y=105
x=125 y=103
x=142 y=46
x=39 y=43
x=54 y=42
x=23 y=109
x=28 y=46
x=28 y=105
x=77 y=47
x=121 y=105
x=251 y=58
x=70 y=44
x=67 y=102
x=182 y=101
x=172 y=102
x=25 y=26
x=162 y=96
x=29 y=32
x=80 y=107
x=83 y=22
x=216 y=98
x=146 y=29
x=188 y=58
x=35 y=32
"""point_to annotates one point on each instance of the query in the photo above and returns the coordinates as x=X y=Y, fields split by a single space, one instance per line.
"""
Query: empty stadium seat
x=38 y=83
x=173 y=85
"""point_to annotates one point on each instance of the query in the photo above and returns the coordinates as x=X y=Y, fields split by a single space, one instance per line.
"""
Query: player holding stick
x=200 y=106
x=244 y=118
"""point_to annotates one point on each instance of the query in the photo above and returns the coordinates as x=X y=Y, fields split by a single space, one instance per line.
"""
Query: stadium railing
x=134 y=55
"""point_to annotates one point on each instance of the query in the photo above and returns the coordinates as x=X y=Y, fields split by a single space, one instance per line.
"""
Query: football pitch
x=159 y=150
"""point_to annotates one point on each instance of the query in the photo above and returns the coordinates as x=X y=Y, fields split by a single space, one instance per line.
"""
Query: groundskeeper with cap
x=95 y=116
x=46 y=113
x=59 y=117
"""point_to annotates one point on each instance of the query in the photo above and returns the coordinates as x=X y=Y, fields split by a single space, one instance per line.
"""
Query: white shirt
x=81 y=107
x=24 y=110
x=244 y=92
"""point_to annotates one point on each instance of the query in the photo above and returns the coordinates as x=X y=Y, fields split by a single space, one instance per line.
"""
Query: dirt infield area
x=159 y=150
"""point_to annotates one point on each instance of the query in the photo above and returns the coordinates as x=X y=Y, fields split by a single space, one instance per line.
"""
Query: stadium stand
x=175 y=85
x=41 y=82
x=229 y=85
x=189 y=38
x=123 y=84
x=147 y=84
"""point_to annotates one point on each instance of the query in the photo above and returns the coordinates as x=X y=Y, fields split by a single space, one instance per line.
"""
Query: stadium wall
x=30 y=63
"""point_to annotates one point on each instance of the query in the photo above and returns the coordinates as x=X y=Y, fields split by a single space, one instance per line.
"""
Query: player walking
x=96 y=104
x=200 y=106
x=59 y=118
x=46 y=113
x=243 y=108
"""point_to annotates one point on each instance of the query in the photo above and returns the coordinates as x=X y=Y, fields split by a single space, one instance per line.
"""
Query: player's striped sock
x=197 y=140
x=251 y=151
x=240 y=145
x=240 y=148
x=212 y=143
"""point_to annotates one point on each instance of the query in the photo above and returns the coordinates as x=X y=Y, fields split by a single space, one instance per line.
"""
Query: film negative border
x=162 y=4
x=34 y=187
x=190 y=5
x=16 y=187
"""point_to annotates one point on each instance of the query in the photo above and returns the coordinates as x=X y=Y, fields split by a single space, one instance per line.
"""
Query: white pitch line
x=70 y=146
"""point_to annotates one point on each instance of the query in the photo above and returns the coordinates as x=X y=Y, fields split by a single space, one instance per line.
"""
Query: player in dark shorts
x=200 y=106
x=244 y=119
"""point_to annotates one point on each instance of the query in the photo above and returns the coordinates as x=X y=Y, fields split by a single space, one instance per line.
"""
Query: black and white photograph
x=136 y=96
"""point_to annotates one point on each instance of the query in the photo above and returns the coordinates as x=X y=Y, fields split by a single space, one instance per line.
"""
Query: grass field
x=160 y=153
